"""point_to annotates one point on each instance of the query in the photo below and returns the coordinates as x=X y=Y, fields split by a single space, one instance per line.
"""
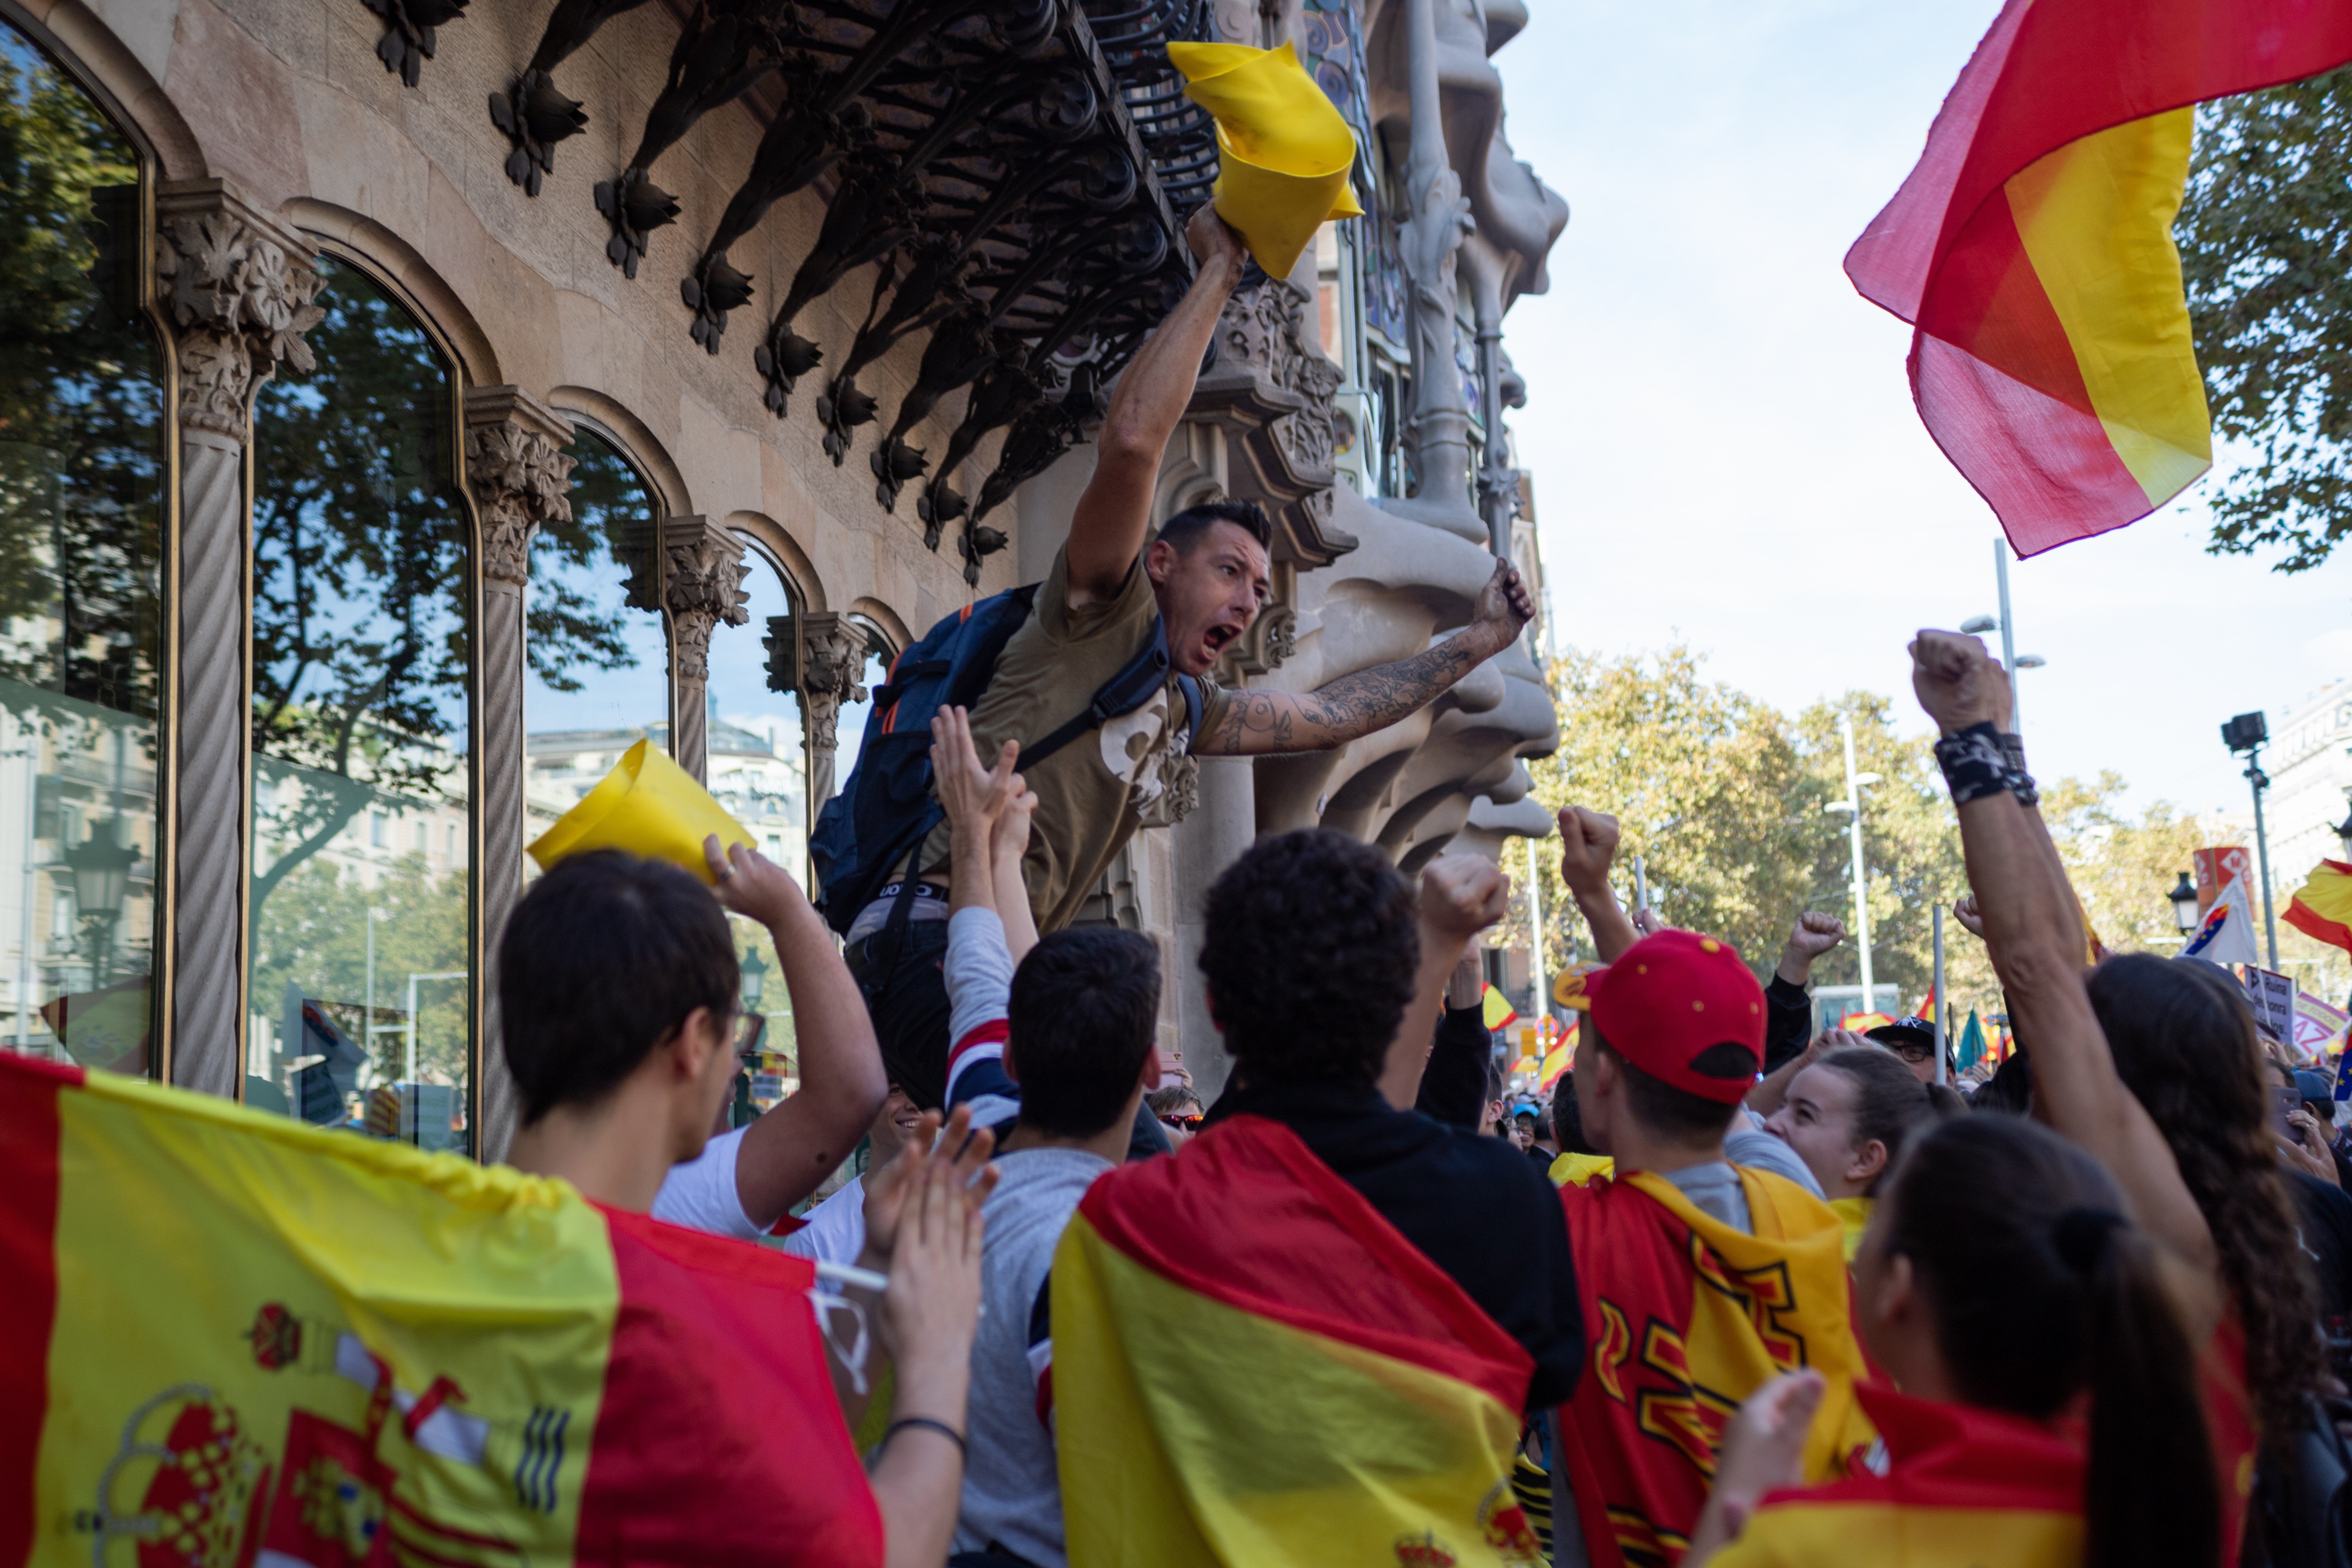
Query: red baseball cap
x=1674 y=995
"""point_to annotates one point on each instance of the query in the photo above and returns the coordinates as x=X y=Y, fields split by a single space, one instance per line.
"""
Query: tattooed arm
x=1259 y=723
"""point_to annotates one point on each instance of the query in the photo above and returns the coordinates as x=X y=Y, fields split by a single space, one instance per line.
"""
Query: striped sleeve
x=979 y=976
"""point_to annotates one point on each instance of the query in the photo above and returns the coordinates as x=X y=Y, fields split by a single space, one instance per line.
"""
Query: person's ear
x=697 y=1036
x=1011 y=1069
x=1866 y=1162
x=1898 y=1296
x=1159 y=560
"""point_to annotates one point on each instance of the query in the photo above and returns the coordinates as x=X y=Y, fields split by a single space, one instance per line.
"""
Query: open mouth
x=1218 y=636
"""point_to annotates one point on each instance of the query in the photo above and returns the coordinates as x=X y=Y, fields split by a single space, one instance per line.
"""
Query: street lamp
x=101 y=879
x=1851 y=809
x=755 y=979
x=2184 y=904
x=2245 y=735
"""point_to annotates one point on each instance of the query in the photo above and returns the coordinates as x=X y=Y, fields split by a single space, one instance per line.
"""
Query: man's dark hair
x=1310 y=952
x=1184 y=530
x=601 y=962
x=1677 y=1113
x=1083 y=1015
x=1567 y=1120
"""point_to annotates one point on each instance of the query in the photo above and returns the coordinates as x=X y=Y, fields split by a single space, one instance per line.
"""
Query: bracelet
x=941 y=1427
x=1974 y=762
x=2020 y=783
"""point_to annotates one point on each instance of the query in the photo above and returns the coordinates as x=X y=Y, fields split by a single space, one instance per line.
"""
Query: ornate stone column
x=520 y=478
x=236 y=286
x=833 y=656
x=1211 y=837
x=702 y=587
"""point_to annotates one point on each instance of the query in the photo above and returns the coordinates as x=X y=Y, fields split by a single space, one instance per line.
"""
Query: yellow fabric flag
x=1284 y=151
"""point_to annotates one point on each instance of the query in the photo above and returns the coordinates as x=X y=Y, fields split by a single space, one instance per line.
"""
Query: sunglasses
x=1183 y=1123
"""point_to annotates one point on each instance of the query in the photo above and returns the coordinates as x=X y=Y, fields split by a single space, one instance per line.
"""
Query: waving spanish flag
x=1252 y=1366
x=226 y=1335
x=2031 y=250
x=1687 y=1317
x=2322 y=907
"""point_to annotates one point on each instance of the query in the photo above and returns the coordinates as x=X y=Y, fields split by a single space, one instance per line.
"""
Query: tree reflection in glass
x=362 y=815
x=80 y=513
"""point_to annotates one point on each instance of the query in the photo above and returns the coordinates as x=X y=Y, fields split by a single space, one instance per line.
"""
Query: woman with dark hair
x=2001 y=1286
x=1846 y=1116
x=2184 y=1042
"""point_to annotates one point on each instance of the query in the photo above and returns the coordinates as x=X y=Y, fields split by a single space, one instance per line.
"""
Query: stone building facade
x=392 y=382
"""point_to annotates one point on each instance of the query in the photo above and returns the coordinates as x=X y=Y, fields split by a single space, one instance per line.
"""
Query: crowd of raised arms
x=1735 y=1294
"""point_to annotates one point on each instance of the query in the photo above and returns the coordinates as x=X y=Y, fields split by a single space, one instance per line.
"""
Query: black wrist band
x=1974 y=763
x=941 y=1427
x=2020 y=783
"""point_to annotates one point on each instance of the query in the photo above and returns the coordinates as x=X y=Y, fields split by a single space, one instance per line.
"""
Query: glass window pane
x=759 y=772
x=361 y=647
x=599 y=669
x=81 y=504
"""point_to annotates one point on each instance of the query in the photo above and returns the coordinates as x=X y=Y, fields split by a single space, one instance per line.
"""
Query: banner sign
x=2271 y=996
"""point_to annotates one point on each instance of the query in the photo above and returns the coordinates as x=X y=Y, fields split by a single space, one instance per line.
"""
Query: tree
x=2265 y=237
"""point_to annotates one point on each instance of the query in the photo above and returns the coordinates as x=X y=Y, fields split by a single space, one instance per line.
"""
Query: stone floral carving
x=704 y=587
x=1179 y=794
x=1265 y=329
x=522 y=479
x=238 y=290
x=833 y=656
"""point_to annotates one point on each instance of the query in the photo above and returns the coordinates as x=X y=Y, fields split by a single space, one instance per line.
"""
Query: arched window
x=599 y=657
x=81 y=508
x=360 y=945
x=759 y=772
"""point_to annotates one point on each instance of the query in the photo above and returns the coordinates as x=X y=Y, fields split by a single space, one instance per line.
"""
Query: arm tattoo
x=1348 y=709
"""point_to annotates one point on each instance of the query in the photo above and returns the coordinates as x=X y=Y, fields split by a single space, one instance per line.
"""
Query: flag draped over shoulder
x=1252 y=1366
x=1686 y=1317
x=2322 y=907
x=2031 y=250
x=226 y=1334
x=1966 y=1487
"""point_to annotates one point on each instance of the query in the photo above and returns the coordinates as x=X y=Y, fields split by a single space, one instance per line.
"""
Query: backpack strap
x=1122 y=693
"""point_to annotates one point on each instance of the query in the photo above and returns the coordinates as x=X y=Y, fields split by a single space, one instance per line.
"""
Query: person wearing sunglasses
x=1178 y=1110
x=1912 y=1039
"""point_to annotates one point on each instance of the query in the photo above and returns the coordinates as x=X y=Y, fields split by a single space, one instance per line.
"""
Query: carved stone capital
x=237 y=286
x=518 y=473
x=1271 y=391
x=833 y=656
x=703 y=586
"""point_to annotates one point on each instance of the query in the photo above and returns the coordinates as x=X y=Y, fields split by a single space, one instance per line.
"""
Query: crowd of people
x=1735 y=1293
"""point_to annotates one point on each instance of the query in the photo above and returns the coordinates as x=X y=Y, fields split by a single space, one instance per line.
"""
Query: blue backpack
x=886 y=808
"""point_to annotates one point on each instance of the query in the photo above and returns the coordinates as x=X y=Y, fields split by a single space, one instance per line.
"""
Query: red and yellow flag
x=1964 y=1488
x=1252 y=1366
x=2031 y=250
x=2322 y=907
x=1687 y=1317
x=227 y=1337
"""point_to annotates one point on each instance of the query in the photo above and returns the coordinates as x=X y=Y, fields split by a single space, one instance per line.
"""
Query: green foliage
x=1723 y=795
x=2265 y=237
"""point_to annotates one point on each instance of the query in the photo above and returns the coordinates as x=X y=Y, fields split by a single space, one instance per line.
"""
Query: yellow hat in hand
x=1284 y=151
x=647 y=806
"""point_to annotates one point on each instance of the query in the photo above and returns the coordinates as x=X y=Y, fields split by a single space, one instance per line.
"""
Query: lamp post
x=2245 y=735
x=2184 y=904
x=101 y=878
x=1851 y=806
x=755 y=979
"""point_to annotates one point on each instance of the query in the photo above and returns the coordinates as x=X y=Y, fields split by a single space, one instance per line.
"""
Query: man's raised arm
x=1258 y=722
x=1108 y=526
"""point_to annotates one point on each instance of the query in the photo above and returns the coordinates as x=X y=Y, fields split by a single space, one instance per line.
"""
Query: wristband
x=2020 y=783
x=941 y=1427
x=1974 y=763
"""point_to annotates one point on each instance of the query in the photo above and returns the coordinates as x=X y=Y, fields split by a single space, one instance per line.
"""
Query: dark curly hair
x=2184 y=1044
x=1310 y=952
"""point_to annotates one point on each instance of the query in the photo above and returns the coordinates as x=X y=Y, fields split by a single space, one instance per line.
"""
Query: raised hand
x=1461 y=894
x=1957 y=682
x=972 y=794
x=1504 y=606
x=1211 y=238
x=1588 y=843
x=1814 y=935
x=1965 y=912
x=1763 y=1446
x=749 y=883
x=932 y=1303
x=962 y=1151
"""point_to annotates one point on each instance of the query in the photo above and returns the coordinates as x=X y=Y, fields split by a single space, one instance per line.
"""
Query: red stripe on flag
x=1246 y=1215
x=29 y=1262
x=2319 y=927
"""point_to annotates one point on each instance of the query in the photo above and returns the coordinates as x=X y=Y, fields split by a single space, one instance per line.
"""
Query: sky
x=1723 y=442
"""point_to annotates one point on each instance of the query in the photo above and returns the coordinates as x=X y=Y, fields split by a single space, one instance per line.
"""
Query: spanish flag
x=2322 y=907
x=227 y=1337
x=1963 y=1487
x=1252 y=1366
x=2031 y=250
x=1687 y=1317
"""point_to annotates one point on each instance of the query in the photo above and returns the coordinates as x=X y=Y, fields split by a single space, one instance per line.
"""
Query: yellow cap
x=1284 y=151
x=647 y=806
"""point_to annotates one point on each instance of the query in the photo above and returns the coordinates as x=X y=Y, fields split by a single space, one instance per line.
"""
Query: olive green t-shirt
x=1091 y=794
